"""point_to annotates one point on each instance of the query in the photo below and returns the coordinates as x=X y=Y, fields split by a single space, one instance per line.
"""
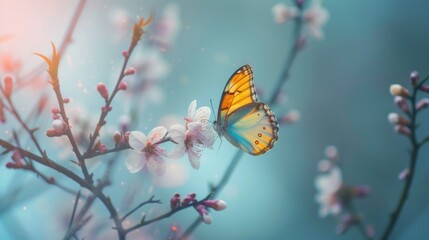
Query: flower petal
x=157 y=134
x=191 y=109
x=194 y=157
x=137 y=140
x=135 y=162
x=202 y=115
x=178 y=151
x=177 y=133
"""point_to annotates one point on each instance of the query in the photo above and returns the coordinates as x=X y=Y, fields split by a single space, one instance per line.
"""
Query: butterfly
x=246 y=123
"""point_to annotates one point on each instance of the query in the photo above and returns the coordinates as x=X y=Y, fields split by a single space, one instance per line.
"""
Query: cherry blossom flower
x=316 y=17
x=201 y=114
x=146 y=151
x=328 y=186
x=191 y=140
x=194 y=136
x=283 y=13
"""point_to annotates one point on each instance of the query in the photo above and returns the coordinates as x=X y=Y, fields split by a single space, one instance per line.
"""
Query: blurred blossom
x=283 y=13
x=398 y=90
x=346 y=221
x=165 y=29
x=404 y=174
x=325 y=165
x=121 y=22
x=175 y=175
x=146 y=151
x=402 y=103
x=9 y=64
x=331 y=152
x=423 y=103
x=290 y=117
x=328 y=186
x=414 y=77
x=316 y=17
x=403 y=130
x=395 y=118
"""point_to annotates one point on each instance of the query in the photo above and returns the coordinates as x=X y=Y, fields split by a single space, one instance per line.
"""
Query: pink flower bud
x=404 y=174
x=360 y=191
x=123 y=86
x=217 y=205
x=403 y=130
x=125 y=53
x=424 y=88
x=130 y=71
x=125 y=137
x=188 y=199
x=66 y=100
x=398 y=90
x=331 y=152
x=175 y=201
x=414 y=77
x=402 y=103
x=104 y=109
x=52 y=133
x=55 y=110
x=102 y=148
x=423 y=103
x=397 y=119
x=117 y=137
x=56 y=116
x=8 y=84
x=102 y=89
x=205 y=215
x=16 y=156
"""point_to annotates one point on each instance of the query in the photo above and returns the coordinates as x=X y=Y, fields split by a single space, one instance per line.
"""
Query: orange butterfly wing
x=239 y=91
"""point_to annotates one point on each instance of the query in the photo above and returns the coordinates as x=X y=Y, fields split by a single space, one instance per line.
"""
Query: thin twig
x=150 y=201
x=76 y=201
x=413 y=161
x=143 y=222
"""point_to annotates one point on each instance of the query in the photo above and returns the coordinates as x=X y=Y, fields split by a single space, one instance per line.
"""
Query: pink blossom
x=191 y=140
x=328 y=186
x=316 y=17
x=146 y=151
x=167 y=27
x=201 y=114
x=283 y=13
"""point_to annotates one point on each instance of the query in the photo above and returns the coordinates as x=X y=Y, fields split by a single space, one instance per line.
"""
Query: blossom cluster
x=335 y=196
x=315 y=16
x=190 y=139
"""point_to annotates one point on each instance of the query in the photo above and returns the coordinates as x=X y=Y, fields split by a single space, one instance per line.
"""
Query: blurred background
x=339 y=84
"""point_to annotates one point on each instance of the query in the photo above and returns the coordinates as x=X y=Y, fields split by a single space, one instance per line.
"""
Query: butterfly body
x=246 y=123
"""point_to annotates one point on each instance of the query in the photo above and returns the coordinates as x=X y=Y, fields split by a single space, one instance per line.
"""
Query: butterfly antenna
x=211 y=104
